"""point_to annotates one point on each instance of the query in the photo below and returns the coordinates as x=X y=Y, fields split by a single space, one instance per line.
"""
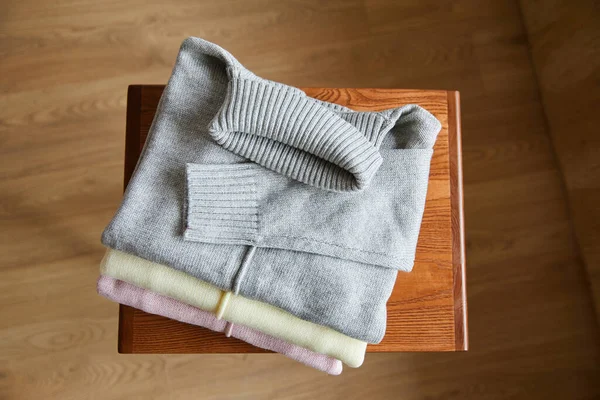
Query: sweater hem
x=254 y=314
x=376 y=260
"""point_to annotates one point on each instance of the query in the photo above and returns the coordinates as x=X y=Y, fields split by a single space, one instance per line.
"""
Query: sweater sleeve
x=246 y=203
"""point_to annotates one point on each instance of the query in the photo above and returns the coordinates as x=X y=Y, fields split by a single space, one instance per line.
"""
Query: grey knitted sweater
x=254 y=187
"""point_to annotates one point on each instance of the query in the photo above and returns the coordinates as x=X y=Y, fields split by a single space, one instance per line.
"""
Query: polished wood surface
x=565 y=49
x=64 y=70
x=427 y=309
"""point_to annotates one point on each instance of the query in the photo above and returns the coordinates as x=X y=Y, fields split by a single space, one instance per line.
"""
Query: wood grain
x=461 y=333
x=565 y=49
x=425 y=313
x=65 y=67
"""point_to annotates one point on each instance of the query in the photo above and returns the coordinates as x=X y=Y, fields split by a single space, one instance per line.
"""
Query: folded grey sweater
x=256 y=188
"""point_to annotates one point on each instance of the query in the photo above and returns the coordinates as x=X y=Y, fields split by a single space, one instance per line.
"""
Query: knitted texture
x=225 y=168
x=154 y=303
x=238 y=310
x=250 y=123
x=244 y=204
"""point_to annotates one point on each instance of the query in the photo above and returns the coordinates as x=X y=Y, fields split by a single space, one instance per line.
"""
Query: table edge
x=132 y=152
x=458 y=228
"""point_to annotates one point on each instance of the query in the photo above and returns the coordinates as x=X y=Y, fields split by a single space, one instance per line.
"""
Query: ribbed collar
x=280 y=128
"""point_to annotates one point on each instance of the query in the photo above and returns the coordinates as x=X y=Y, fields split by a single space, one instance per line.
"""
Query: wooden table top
x=428 y=307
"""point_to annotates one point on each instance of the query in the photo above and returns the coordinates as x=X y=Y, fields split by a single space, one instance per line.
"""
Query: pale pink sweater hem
x=153 y=303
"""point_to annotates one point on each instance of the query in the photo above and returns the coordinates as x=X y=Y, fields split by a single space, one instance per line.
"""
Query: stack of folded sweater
x=265 y=214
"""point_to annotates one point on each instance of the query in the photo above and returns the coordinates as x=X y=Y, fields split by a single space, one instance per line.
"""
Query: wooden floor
x=564 y=41
x=64 y=69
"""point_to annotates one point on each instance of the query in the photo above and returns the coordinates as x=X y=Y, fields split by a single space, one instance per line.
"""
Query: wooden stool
x=428 y=307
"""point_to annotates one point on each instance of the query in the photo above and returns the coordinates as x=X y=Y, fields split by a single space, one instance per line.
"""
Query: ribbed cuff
x=280 y=128
x=221 y=203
